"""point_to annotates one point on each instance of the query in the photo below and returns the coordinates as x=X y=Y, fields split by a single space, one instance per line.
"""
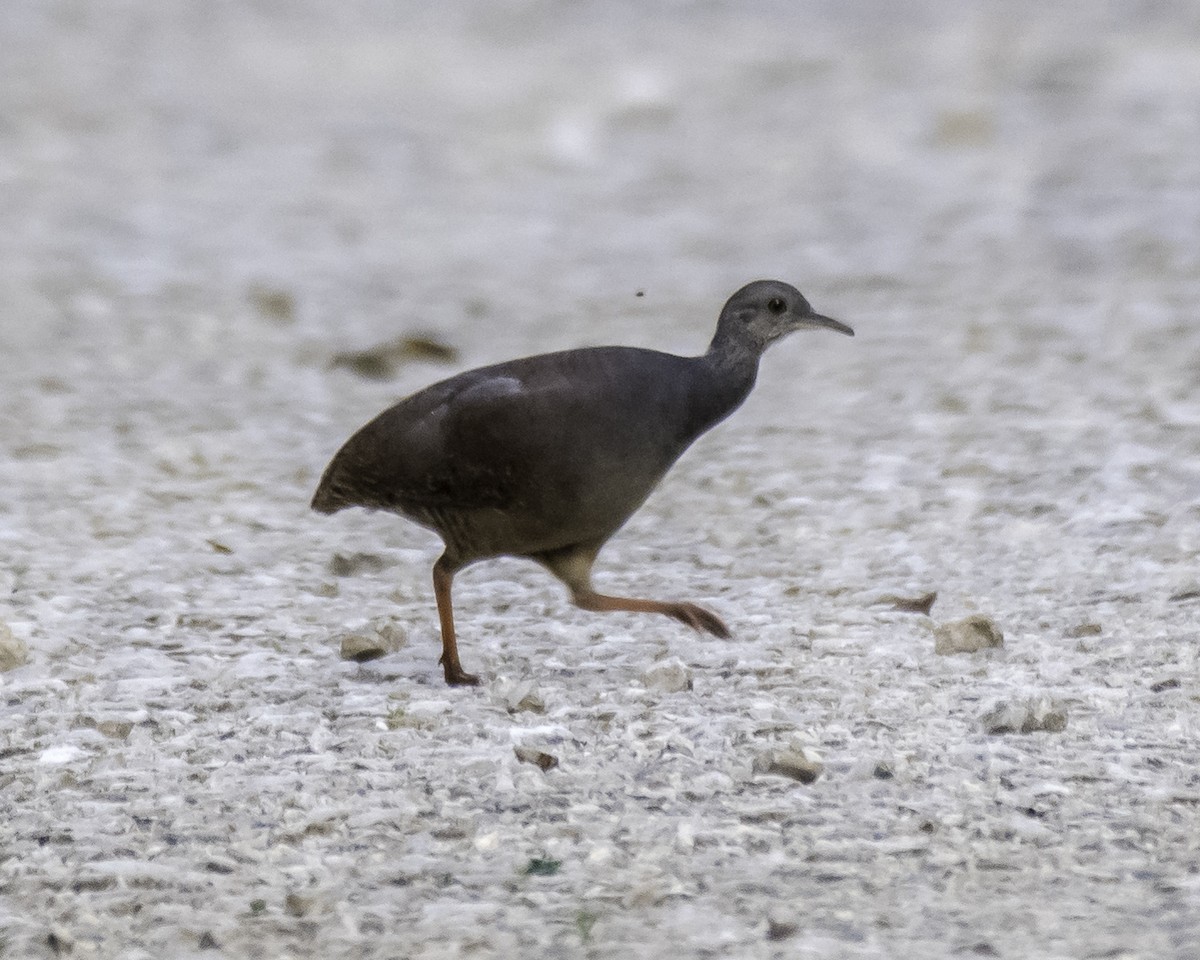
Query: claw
x=460 y=678
x=700 y=620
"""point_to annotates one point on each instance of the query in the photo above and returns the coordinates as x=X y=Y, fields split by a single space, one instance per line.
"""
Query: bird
x=546 y=457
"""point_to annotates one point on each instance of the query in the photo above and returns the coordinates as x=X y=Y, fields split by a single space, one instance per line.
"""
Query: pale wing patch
x=494 y=388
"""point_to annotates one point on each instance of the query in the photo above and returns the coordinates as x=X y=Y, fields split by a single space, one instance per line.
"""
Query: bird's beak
x=818 y=322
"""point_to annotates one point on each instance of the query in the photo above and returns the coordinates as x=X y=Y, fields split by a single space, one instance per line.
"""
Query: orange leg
x=443 y=578
x=694 y=616
x=573 y=566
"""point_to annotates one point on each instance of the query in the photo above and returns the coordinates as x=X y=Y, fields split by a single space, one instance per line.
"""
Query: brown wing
x=583 y=433
x=464 y=443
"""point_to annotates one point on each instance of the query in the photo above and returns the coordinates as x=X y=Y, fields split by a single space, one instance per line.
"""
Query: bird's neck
x=729 y=371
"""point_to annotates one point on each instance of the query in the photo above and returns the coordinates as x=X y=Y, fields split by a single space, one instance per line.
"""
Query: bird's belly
x=540 y=518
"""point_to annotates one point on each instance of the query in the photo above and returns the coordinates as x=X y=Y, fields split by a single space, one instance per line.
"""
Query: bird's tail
x=331 y=495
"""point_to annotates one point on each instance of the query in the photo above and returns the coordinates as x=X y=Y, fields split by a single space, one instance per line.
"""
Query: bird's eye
x=776 y=305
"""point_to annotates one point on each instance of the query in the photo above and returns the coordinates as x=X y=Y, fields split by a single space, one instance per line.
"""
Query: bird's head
x=762 y=312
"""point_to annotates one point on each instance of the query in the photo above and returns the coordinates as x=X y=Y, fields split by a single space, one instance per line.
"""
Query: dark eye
x=776 y=305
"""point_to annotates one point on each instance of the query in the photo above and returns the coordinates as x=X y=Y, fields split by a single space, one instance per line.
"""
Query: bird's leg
x=573 y=566
x=694 y=616
x=443 y=577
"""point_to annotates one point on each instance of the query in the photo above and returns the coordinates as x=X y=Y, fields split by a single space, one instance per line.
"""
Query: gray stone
x=970 y=635
x=922 y=604
x=518 y=696
x=14 y=652
x=539 y=758
x=668 y=676
x=378 y=640
x=796 y=764
x=1033 y=715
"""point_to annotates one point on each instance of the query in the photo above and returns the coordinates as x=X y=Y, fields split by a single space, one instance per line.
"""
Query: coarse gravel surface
x=202 y=204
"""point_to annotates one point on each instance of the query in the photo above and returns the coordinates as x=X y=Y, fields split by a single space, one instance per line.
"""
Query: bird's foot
x=458 y=677
x=695 y=617
x=699 y=619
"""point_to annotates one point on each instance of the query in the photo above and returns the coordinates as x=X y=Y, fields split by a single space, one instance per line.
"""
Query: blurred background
x=494 y=165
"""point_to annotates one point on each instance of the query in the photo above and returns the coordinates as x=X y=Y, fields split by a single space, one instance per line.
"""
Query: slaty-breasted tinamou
x=546 y=457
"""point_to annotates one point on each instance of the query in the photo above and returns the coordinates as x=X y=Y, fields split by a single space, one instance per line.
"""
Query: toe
x=712 y=623
x=460 y=678
x=701 y=620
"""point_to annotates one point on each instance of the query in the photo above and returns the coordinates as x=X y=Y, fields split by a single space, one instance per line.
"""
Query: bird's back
x=531 y=454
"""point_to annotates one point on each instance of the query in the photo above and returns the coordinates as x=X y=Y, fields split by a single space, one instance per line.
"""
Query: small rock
x=378 y=640
x=1081 y=630
x=299 y=905
x=517 y=696
x=967 y=636
x=964 y=128
x=796 y=764
x=60 y=941
x=584 y=921
x=1034 y=715
x=372 y=926
x=347 y=565
x=780 y=929
x=1171 y=683
x=93 y=884
x=208 y=941
x=669 y=676
x=115 y=729
x=14 y=652
x=541 y=867
x=531 y=702
x=922 y=604
x=272 y=303
x=381 y=362
x=544 y=761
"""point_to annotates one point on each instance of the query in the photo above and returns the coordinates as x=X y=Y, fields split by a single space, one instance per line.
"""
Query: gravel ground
x=204 y=203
